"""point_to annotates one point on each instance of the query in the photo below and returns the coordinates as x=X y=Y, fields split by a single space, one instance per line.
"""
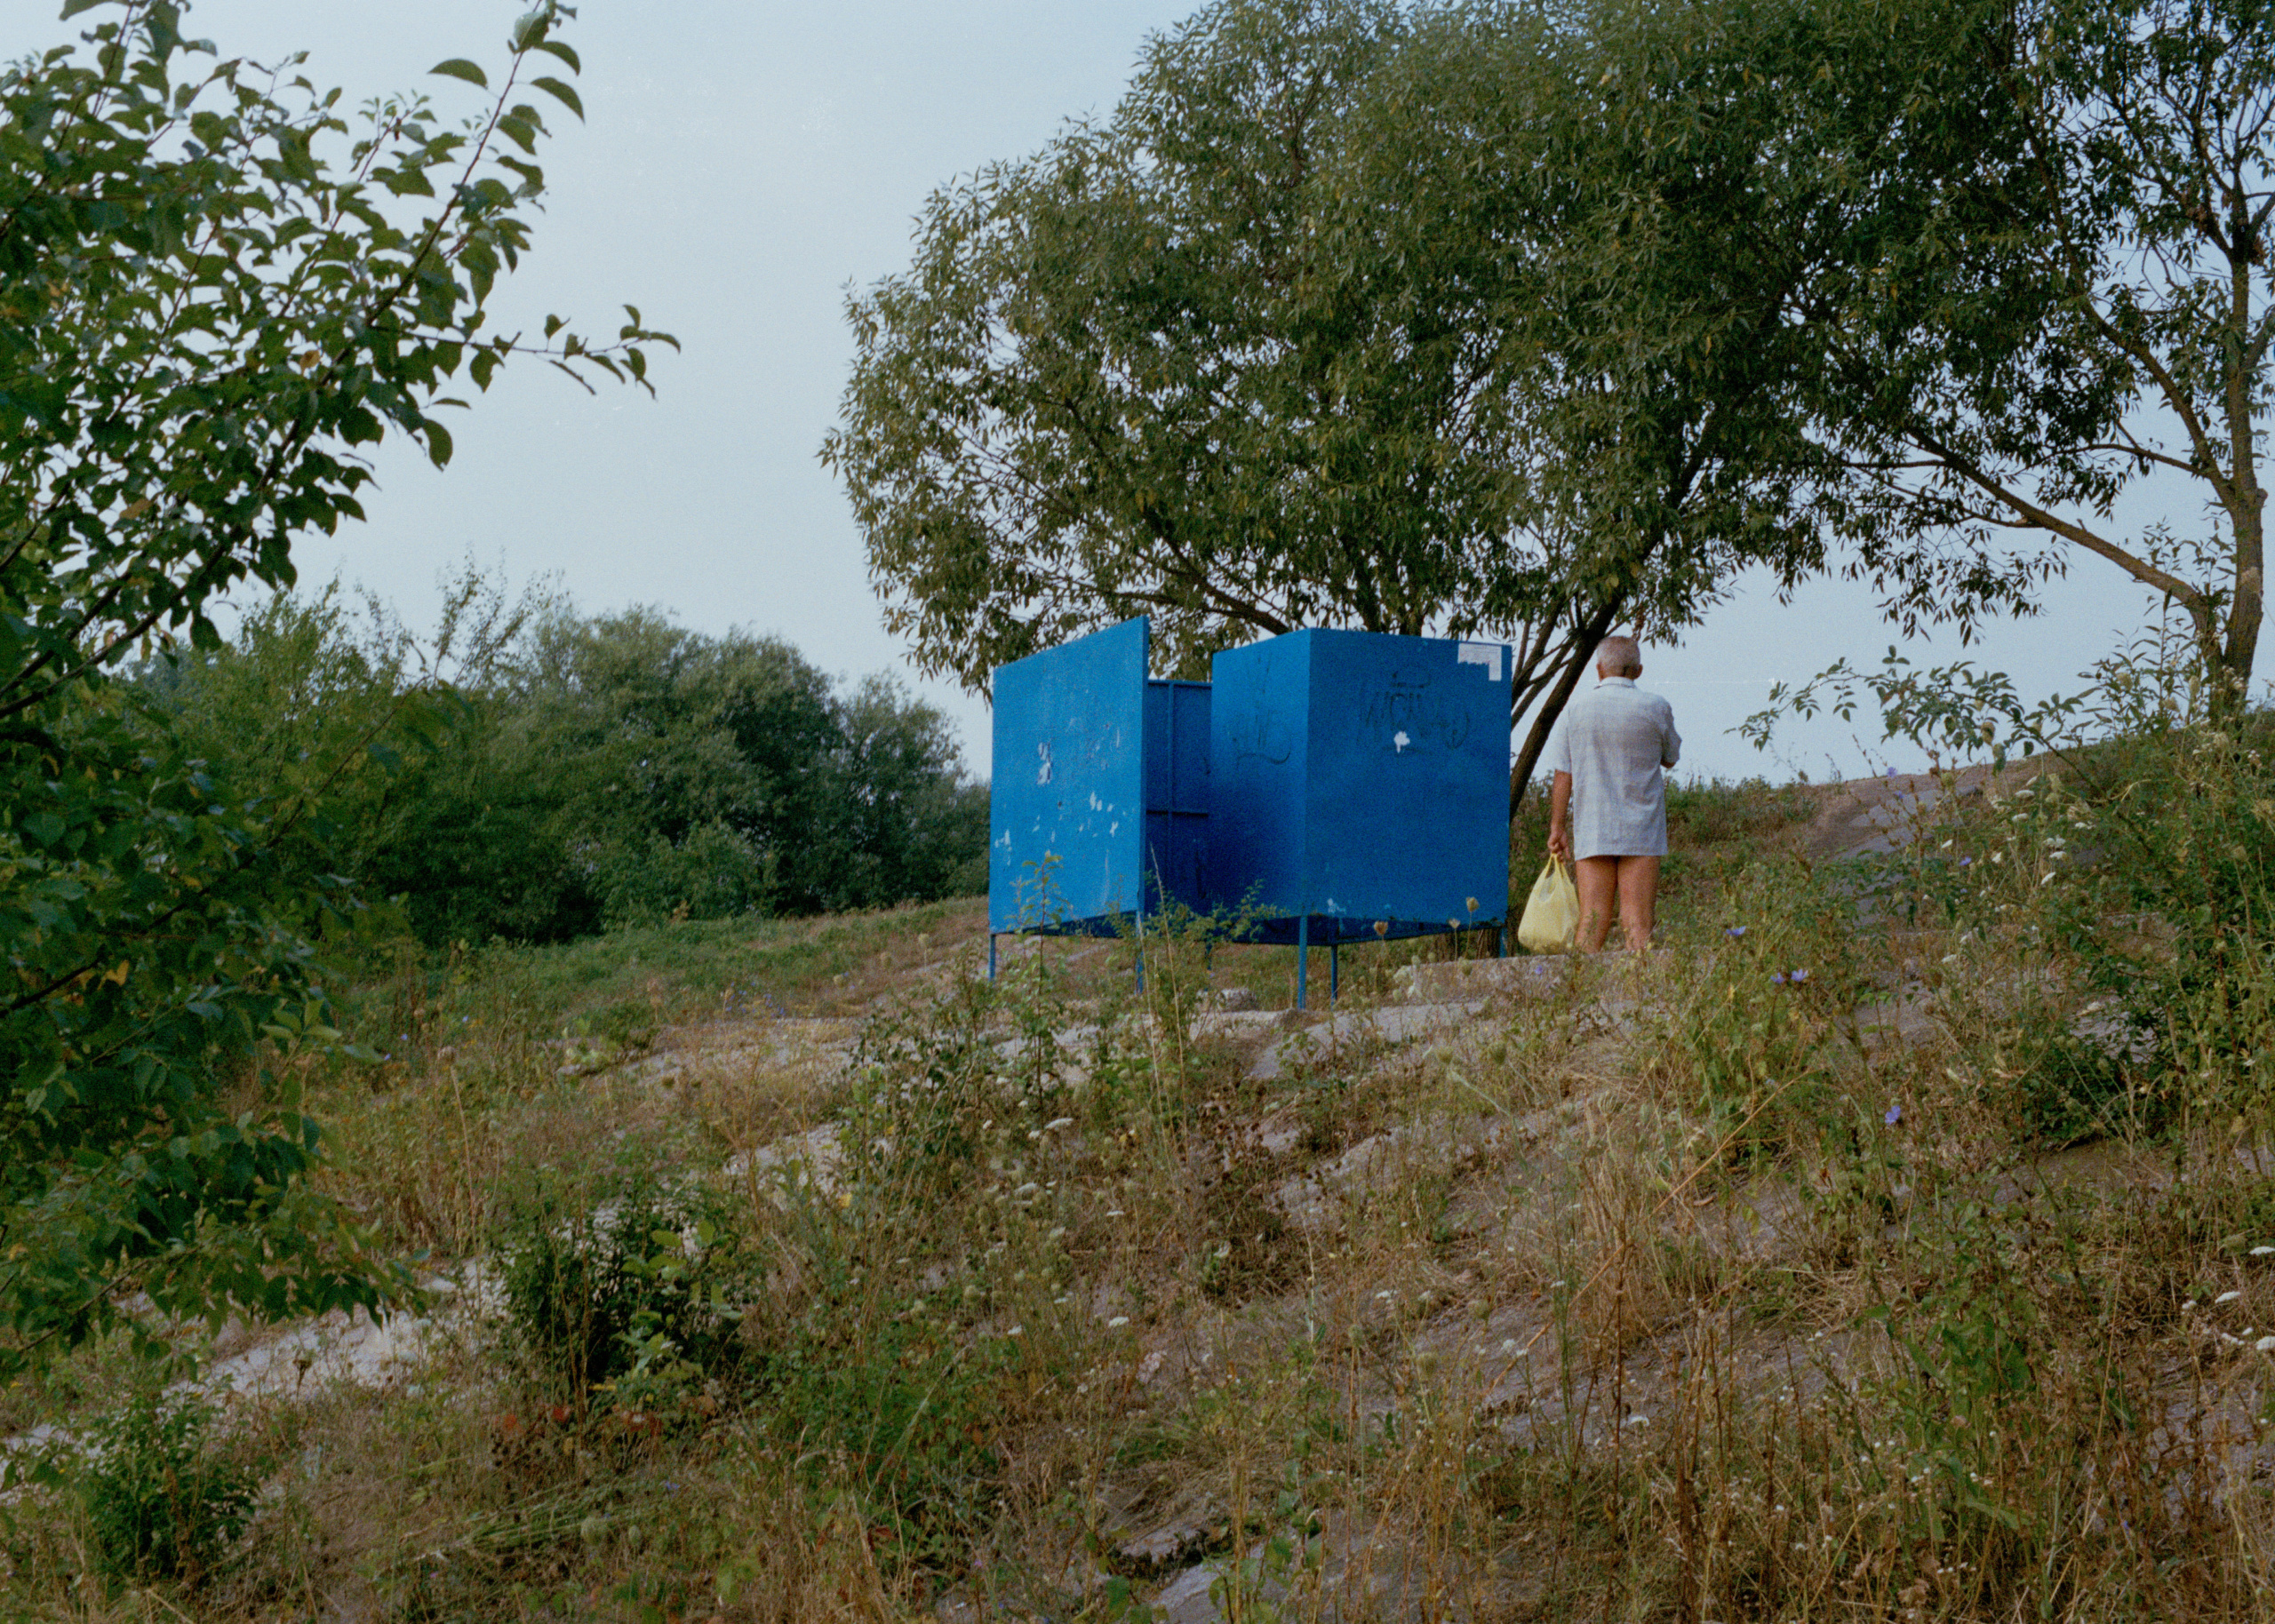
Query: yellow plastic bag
x=1551 y=920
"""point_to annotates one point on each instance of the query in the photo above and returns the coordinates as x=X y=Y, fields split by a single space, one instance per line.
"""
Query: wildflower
x=2048 y=879
x=2265 y=1344
x=1779 y=978
x=1895 y=1115
x=1017 y=1331
x=1117 y=1322
x=1735 y=931
x=2262 y=1252
x=1800 y=976
x=2225 y=1297
x=1966 y=863
x=1056 y=1123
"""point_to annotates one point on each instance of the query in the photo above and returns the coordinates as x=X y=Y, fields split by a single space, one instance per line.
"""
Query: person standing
x=1608 y=803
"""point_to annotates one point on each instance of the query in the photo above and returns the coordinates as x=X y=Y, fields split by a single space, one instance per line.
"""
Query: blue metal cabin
x=1361 y=785
x=1099 y=810
x=1327 y=786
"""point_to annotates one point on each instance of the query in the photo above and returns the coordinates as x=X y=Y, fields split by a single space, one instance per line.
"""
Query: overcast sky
x=742 y=165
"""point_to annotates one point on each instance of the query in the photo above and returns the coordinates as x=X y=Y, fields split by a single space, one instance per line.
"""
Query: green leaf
x=562 y=94
x=553 y=47
x=459 y=68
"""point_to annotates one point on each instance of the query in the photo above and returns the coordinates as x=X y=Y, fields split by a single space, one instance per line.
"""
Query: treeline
x=532 y=773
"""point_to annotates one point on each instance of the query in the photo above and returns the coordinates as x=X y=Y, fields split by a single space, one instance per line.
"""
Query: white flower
x=2225 y=1297
x=2265 y=1344
x=1017 y=1331
x=1056 y=1123
x=1117 y=1322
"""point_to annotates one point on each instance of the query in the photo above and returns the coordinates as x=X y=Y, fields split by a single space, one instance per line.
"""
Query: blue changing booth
x=1360 y=786
x=1099 y=808
x=1325 y=787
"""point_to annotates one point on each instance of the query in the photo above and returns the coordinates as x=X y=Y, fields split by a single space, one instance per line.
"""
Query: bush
x=644 y=1293
x=162 y=1500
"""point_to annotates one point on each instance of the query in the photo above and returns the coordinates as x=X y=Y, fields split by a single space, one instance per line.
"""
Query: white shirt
x=1614 y=740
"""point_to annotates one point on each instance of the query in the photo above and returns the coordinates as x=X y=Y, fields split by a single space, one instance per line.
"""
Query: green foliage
x=529 y=773
x=2140 y=865
x=1455 y=318
x=164 y=1498
x=2053 y=286
x=218 y=297
x=638 y=1299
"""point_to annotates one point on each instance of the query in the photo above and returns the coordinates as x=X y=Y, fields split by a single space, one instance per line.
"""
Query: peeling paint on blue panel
x=1079 y=711
x=1088 y=713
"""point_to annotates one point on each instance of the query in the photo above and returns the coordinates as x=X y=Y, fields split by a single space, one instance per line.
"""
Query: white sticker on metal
x=1488 y=655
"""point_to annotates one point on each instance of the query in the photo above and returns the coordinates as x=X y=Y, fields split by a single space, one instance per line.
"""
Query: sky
x=742 y=167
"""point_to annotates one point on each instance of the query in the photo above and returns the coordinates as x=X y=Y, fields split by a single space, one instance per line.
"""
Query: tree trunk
x=1597 y=628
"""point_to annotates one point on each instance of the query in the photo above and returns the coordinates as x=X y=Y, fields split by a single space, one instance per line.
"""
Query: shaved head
x=1618 y=657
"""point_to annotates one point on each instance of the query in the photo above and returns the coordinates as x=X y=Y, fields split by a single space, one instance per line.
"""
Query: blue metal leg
x=990 y=955
x=1334 y=971
x=1303 y=959
x=1141 y=952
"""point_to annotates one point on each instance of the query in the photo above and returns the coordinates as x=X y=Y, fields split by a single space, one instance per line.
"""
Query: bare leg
x=1598 y=881
x=1638 y=890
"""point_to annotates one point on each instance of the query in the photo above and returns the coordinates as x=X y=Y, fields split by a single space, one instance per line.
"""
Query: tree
x=529 y=773
x=1128 y=376
x=214 y=294
x=1474 y=319
x=2055 y=286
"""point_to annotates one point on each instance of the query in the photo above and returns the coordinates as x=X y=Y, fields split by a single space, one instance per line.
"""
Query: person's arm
x=1672 y=751
x=1560 y=821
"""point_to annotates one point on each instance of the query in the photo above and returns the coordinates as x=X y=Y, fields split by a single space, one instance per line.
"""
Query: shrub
x=651 y=1285
x=163 y=1500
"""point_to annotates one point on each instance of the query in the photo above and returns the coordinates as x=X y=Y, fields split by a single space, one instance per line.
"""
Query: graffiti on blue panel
x=1410 y=713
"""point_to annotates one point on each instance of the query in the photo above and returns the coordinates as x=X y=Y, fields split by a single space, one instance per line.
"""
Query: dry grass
x=1678 y=1292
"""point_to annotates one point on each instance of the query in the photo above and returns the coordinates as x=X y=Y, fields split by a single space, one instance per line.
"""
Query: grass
x=1688 y=1289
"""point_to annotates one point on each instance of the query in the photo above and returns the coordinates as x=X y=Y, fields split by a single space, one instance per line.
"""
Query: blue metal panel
x=1362 y=777
x=1066 y=808
x=1177 y=794
x=1259 y=721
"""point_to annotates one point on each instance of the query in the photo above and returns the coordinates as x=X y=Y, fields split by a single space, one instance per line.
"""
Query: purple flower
x=1735 y=931
x=1895 y=1115
x=1800 y=976
x=1966 y=861
x=1779 y=978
